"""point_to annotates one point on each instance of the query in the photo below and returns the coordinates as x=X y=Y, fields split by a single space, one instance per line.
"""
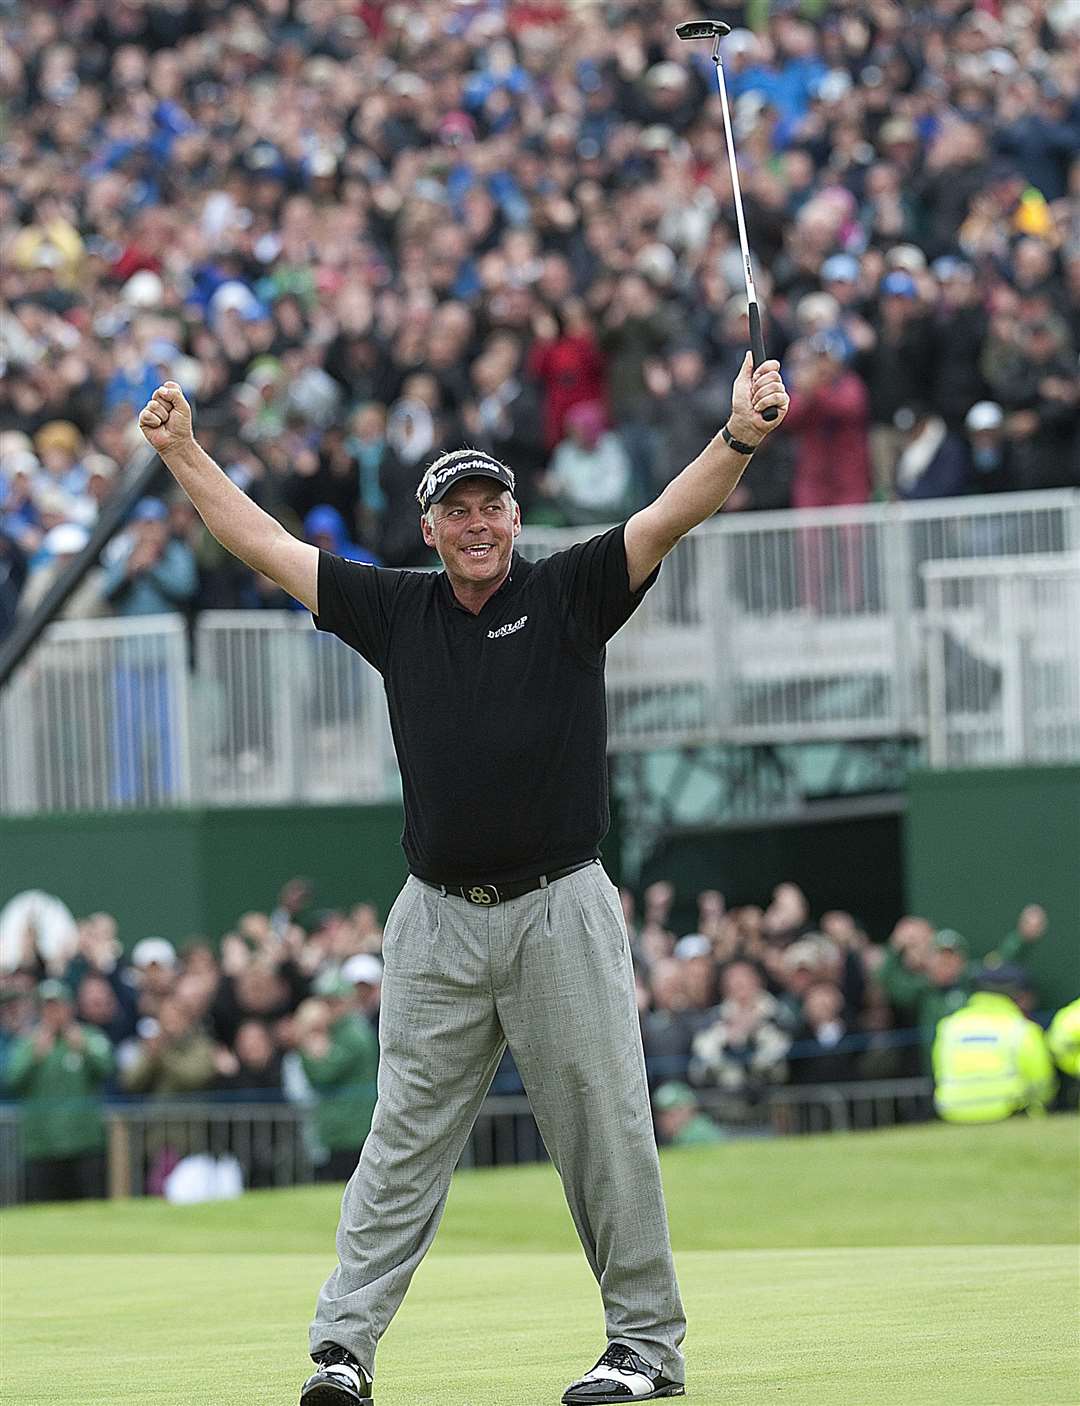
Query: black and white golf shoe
x=340 y=1381
x=622 y=1375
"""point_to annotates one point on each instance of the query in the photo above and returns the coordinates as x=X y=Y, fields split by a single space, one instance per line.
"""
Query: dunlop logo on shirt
x=507 y=629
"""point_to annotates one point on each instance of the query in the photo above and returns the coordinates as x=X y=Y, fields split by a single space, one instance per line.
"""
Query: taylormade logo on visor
x=463 y=463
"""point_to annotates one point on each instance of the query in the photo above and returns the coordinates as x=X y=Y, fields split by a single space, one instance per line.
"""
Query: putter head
x=702 y=29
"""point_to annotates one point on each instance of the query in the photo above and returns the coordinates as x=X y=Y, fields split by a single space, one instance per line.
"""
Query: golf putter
x=716 y=30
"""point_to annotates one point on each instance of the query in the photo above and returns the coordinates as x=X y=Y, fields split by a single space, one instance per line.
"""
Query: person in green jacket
x=340 y=1054
x=57 y=1073
x=679 y=1120
x=990 y=1061
x=929 y=974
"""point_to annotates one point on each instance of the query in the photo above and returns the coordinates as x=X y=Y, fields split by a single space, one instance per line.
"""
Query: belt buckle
x=483 y=895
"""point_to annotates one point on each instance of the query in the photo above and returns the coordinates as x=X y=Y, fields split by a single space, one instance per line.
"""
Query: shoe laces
x=335 y=1355
x=621 y=1357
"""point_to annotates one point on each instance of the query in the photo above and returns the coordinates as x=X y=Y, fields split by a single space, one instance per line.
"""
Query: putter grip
x=757 y=348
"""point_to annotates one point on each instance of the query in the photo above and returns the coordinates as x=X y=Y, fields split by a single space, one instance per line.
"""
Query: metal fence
x=98 y=719
x=817 y=625
x=273 y=1143
x=284 y=713
x=1003 y=660
x=802 y=626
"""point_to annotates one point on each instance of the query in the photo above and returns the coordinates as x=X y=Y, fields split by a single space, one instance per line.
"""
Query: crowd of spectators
x=359 y=233
x=286 y=1008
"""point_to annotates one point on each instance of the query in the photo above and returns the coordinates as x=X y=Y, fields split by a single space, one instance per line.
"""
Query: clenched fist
x=166 y=419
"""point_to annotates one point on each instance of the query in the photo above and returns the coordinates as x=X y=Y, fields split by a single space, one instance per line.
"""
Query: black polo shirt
x=499 y=719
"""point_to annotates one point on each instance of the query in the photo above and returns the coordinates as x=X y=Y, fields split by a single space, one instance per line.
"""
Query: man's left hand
x=752 y=393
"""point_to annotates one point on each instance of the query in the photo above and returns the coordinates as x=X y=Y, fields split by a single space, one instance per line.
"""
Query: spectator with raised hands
x=744 y=1049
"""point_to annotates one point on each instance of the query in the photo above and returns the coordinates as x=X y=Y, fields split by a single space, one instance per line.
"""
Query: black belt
x=486 y=895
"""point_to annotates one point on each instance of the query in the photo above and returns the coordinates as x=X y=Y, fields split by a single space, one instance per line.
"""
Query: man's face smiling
x=473 y=531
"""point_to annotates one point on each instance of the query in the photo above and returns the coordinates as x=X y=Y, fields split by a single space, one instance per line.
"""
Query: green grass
x=921 y=1267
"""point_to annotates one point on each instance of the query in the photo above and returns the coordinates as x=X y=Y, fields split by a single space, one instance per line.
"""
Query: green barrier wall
x=183 y=872
x=176 y=873
x=980 y=844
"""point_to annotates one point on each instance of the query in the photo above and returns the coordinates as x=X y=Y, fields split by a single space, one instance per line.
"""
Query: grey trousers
x=550 y=973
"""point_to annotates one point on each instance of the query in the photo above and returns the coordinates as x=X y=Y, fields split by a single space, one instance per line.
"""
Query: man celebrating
x=507 y=929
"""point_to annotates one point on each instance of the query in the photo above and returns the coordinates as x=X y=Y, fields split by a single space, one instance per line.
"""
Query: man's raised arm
x=704 y=485
x=239 y=525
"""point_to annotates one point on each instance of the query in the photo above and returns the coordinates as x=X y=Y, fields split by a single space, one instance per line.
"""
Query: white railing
x=97 y=718
x=796 y=626
x=1003 y=660
x=286 y=714
x=829 y=624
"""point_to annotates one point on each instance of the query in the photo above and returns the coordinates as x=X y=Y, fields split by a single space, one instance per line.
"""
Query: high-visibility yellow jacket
x=1063 y=1037
x=990 y=1062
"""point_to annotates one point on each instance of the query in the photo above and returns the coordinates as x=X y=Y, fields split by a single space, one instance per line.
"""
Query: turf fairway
x=928 y=1266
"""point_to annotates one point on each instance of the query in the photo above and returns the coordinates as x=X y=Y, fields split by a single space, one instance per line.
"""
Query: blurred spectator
x=990 y=1062
x=1064 y=1039
x=931 y=462
x=149 y=573
x=591 y=478
x=99 y=1005
x=566 y=360
x=744 y=1049
x=153 y=973
x=253 y=1072
x=668 y=1026
x=1063 y=1042
x=679 y=1120
x=173 y=1056
x=896 y=370
x=16 y=1015
x=990 y=452
x=829 y=418
x=340 y=1055
x=822 y=1053
x=926 y=974
x=59 y=548
x=363 y=972
x=57 y=1072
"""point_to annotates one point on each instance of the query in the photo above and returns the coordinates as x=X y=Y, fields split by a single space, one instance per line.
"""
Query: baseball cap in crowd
x=830 y=343
x=840 y=268
x=363 y=969
x=898 y=285
x=150 y=510
x=452 y=468
x=53 y=990
x=984 y=415
x=949 y=940
x=948 y=267
x=1001 y=976
x=694 y=944
x=153 y=951
x=674 y=1095
x=908 y=257
x=67 y=540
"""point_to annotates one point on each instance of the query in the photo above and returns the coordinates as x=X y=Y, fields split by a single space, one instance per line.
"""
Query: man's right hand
x=166 y=419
